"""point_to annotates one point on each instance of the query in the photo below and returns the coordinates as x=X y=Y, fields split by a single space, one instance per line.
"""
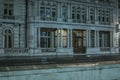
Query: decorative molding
x=7 y=25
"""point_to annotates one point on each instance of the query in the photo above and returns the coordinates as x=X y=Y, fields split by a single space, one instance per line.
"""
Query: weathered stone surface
x=93 y=71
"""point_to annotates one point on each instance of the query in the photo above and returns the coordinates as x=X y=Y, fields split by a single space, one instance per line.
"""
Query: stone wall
x=89 y=71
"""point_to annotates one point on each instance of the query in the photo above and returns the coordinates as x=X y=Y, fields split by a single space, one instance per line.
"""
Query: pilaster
x=89 y=33
x=111 y=39
x=59 y=18
x=95 y=38
x=71 y=37
x=61 y=40
x=98 y=39
x=87 y=38
x=88 y=18
x=96 y=16
x=39 y=40
x=31 y=40
x=69 y=13
x=68 y=34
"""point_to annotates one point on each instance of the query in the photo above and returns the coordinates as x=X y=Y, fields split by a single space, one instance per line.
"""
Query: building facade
x=118 y=26
x=57 y=27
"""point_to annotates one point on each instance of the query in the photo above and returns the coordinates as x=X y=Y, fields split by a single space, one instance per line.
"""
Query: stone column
x=98 y=39
x=68 y=38
x=59 y=10
x=52 y=40
x=35 y=38
x=31 y=40
x=111 y=17
x=39 y=9
x=95 y=39
x=35 y=8
x=87 y=38
x=57 y=38
x=89 y=32
x=71 y=36
x=96 y=15
x=39 y=38
x=69 y=13
x=30 y=9
x=61 y=41
x=111 y=39
x=88 y=19
x=103 y=40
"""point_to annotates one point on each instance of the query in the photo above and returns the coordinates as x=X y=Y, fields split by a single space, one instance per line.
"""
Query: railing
x=16 y=50
x=105 y=49
x=48 y=49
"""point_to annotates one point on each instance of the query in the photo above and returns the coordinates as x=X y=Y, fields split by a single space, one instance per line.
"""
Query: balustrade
x=105 y=49
x=16 y=50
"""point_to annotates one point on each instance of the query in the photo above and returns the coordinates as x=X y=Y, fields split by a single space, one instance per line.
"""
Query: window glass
x=8 y=10
x=8 y=36
x=48 y=10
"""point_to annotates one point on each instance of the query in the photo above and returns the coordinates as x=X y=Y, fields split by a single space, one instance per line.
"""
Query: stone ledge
x=54 y=66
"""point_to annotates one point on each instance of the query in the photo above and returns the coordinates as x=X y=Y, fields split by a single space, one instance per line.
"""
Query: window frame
x=52 y=6
x=8 y=36
x=8 y=10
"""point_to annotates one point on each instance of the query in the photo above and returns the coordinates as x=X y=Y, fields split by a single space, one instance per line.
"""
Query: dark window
x=103 y=19
x=48 y=11
x=8 y=11
x=5 y=12
x=8 y=39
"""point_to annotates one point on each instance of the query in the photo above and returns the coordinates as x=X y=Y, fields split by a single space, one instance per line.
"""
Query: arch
x=8 y=38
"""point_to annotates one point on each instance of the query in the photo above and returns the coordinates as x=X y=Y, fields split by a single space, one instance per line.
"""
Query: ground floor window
x=8 y=39
x=47 y=38
x=104 y=39
x=61 y=38
x=53 y=38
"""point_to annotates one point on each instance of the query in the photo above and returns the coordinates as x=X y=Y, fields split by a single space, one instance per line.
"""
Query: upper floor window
x=76 y=13
x=104 y=16
x=48 y=10
x=92 y=15
x=83 y=13
x=107 y=17
x=79 y=14
x=8 y=10
x=64 y=12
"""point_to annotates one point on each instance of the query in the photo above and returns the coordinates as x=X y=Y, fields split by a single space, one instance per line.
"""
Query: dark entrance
x=79 y=41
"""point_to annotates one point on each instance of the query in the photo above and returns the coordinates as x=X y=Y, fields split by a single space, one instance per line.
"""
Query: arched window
x=8 y=38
